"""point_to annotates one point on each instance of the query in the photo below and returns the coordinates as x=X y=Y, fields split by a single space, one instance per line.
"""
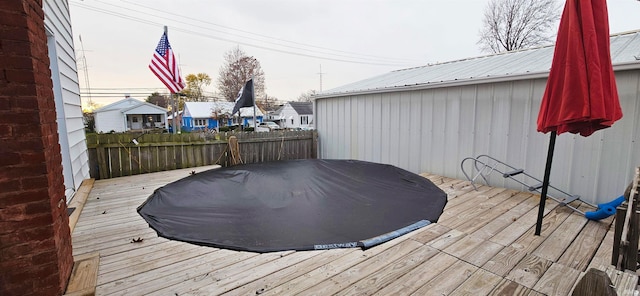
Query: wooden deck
x=482 y=245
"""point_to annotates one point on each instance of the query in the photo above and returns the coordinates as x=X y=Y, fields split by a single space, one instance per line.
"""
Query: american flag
x=164 y=65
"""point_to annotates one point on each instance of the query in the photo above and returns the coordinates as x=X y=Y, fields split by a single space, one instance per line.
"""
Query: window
x=304 y=119
x=199 y=122
x=134 y=119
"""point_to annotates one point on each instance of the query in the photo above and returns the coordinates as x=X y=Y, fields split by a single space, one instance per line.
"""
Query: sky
x=302 y=45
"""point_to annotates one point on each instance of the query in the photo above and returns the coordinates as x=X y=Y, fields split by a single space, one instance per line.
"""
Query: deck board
x=483 y=244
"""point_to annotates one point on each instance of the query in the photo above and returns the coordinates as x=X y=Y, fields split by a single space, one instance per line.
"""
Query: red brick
x=16 y=53
x=13 y=213
x=16 y=171
x=9 y=158
x=44 y=257
x=14 y=34
x=14 y=20
x=24 y=235
x=47 y=285
x=36 y=182
x=24 y=144
x=35 y=208
x=5 y=129
x=33 y=274
x=27 y=249
x=21 y=76
x=10 y=185
x=26 y=130
x=32 y=157
x=11 y=6
x=5 y=104
x=19 y=62
x=21 y=117
x=27 y=222
x=23 y=102
x=16 y=90
x=11 y=198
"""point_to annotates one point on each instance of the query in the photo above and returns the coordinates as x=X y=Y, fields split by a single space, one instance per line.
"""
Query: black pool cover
x=294 y=205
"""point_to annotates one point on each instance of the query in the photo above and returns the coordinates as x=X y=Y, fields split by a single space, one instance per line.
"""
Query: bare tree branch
x=517 y=24
x=238 y=69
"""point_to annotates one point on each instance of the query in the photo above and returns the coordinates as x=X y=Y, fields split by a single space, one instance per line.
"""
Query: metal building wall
x=432 y=130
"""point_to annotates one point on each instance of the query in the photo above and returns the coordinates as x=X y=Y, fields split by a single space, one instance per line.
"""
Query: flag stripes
x=163 y=64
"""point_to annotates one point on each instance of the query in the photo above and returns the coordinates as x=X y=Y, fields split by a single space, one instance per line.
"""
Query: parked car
x=267 y=126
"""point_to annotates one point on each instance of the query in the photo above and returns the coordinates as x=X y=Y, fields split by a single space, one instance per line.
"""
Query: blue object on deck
x=605 y=209
x=614 y=203
x=600 y=213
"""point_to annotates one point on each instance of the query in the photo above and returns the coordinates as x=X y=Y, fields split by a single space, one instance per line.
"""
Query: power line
x=261 y=35
x=338 y=57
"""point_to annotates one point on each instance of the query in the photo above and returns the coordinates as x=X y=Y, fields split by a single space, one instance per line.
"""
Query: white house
x=129 y=114
x=294 y=115
x=64 y=75
x=428 y=119
x=211 y=115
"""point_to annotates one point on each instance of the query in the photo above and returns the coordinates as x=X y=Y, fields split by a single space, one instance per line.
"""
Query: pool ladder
x=484 y=165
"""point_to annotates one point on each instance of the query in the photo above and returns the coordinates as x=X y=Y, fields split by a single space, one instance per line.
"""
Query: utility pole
x=320 y=73
x=86 y=73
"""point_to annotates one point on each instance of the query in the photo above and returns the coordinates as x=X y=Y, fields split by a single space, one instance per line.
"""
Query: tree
x=237 y=70
x=195 y=84
x=158 y=100
x=517 y=24
x=267 y=103
x=306 y=96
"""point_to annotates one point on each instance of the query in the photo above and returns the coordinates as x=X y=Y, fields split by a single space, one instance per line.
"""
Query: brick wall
x=35 y=243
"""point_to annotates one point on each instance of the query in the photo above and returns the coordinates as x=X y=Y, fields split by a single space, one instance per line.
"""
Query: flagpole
x=253 y=97
x=173 y=105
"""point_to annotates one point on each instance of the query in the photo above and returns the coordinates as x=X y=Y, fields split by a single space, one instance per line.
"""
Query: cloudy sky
x=293 y=39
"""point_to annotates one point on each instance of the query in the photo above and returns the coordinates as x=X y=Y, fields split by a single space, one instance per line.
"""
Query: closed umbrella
x=581 y=95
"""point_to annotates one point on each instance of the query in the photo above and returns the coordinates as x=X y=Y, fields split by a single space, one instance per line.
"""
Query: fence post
x=314 y=144
x=102 y=162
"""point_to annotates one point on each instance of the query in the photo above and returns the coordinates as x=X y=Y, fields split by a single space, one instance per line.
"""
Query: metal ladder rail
x=485 y=164
x=511 y=175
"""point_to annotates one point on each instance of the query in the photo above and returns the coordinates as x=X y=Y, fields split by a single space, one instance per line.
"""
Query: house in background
x=129 y=114
x=212 y=115
x=428 y=119
x=294 y=115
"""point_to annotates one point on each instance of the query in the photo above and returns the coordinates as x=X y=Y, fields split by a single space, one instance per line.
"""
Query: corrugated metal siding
x=58 y=23
x=432 y=130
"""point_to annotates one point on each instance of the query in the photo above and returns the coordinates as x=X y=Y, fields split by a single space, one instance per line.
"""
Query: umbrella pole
x=545 y=182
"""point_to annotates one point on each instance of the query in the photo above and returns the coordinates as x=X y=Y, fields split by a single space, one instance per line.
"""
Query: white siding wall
x=432 y=130
x=110 y=120
x=287 y=114
x=67 y=94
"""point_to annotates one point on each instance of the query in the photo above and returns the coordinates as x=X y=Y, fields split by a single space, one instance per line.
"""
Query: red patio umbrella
x=581 y=95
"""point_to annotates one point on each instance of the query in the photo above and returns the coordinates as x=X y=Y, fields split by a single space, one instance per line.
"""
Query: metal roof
x=514 y=65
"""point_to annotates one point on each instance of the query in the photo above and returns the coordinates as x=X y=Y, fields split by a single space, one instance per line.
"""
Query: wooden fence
x=116 y=155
